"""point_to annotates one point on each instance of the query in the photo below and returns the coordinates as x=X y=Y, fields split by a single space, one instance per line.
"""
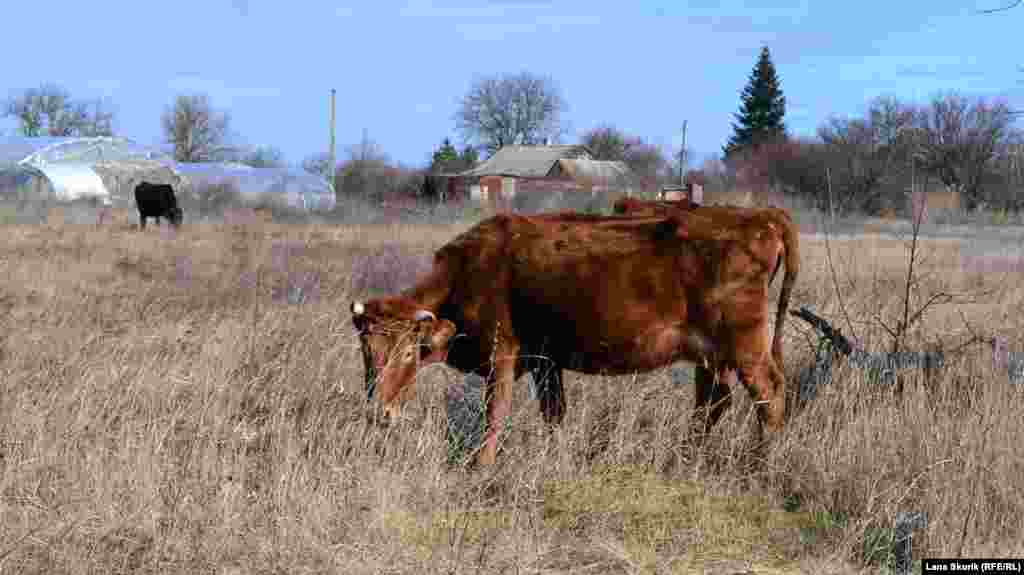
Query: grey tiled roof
x=526 y=161
x=595 y=169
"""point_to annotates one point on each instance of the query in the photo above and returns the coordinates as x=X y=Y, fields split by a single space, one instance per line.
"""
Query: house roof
x=602 y=170
x=527 y=161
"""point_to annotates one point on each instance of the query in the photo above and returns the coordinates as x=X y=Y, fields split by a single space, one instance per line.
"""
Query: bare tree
x=1007 y=6
x=198 y=132
x=775 y=166
x=648 y=162
x=863 y=154
x=1006 y=180
x=967 y=145
x=49 y=111
x=318 y=164
x=606 y=142
x=367 y=151
x=717 y=177
x=958 y=140
x=264 y=157
x=366 y=172
x=511 y=109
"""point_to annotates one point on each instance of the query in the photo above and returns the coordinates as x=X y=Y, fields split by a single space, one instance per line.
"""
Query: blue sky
x=401 y=67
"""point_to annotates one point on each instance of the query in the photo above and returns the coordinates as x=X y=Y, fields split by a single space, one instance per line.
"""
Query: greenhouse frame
x=107 y=169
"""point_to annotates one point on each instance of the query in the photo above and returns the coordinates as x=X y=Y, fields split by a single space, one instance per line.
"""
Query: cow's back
x=154 y=194
x=583 y=289
x=588 y=293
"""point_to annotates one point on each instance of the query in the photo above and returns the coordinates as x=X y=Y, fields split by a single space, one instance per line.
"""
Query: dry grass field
x=193 y=403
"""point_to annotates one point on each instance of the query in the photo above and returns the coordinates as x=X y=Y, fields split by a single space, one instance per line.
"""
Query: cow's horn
x=358 y=308
x=424 y=314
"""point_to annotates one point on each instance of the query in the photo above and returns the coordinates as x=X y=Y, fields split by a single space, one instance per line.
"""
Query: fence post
x=906 y=523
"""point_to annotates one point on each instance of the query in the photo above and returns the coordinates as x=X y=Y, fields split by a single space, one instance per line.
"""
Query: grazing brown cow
x=593 y=294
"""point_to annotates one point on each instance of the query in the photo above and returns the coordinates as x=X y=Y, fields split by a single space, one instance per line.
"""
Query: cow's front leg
x=550 y=393
x=713 y=397
x=499 y=399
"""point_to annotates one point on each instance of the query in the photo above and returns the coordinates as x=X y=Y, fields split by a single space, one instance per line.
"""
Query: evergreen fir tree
x=444 y=157
x=762 y=110
x=469 y=157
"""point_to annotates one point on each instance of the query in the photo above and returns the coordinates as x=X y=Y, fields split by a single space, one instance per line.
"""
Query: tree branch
x=1012 y=4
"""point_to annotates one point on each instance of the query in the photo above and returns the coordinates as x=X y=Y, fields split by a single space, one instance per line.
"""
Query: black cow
x=157 y=201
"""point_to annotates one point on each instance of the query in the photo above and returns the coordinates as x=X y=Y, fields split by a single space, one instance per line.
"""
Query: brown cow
x=587 y=293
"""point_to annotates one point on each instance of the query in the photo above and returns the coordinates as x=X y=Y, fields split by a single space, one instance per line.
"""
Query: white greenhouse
x=107 y=169
x=290 y=187
x=67 y=169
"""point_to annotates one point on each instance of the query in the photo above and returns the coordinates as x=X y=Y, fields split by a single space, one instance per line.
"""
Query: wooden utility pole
x=682 y=156
x=331 y=158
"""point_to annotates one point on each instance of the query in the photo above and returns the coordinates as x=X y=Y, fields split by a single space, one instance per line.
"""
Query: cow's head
x=397 y=337
x=176 y=215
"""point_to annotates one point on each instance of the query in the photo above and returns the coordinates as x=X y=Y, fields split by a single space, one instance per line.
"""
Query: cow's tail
x=791 y=247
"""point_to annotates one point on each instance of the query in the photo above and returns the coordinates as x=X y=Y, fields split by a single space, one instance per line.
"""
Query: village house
x=517 y=176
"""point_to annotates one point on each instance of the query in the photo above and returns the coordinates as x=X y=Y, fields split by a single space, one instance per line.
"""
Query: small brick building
x=535 y=172
x=692 y=189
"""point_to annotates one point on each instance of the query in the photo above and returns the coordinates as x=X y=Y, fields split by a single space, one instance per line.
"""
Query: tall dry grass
x=193 y=403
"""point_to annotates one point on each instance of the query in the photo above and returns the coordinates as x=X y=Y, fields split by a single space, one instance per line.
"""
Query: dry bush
x=192 y=401
x=212 y=199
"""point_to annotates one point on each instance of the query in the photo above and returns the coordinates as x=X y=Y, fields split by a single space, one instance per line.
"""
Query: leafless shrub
x=319 y=164
x=1005 y=360
x=388 y=268
x=183 y=272
x=263 y=157
x=214 y=199
x=296 y=284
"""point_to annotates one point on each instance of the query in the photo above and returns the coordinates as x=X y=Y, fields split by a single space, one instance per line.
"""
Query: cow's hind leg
x=764 y=380
x=142 y=221
x=766 y=384
x=713 y=397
